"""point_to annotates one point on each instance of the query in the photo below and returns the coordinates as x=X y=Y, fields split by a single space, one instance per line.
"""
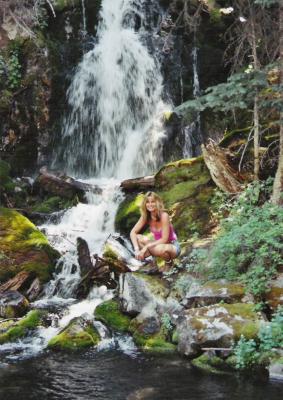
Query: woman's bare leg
x=165 y=251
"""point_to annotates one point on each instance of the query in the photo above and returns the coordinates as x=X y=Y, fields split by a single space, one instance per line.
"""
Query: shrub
x=250 y=244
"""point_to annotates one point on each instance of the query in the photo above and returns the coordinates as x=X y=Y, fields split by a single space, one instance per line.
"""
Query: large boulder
x=141 y=293
x=109 y=314
x=213 y=292
x=23 y=248
x=216 y=326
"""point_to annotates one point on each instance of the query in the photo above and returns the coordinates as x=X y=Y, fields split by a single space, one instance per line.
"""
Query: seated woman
x=165 y=243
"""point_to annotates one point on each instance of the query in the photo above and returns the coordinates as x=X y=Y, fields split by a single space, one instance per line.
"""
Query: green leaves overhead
x=237 y=93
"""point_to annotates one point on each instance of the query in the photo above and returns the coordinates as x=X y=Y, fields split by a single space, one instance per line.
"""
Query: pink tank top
x=158 y=234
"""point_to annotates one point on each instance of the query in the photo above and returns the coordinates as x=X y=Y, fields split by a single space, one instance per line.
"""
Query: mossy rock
x=20 y=328
x=24 y=248
x=186 y=189
x=109 y=313
x=211 y=364
x=78 y=334
x=128 y=213
x=153 y=344
x=54 y=203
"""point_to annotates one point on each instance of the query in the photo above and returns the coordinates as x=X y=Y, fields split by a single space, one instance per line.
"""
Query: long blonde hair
x=159 y=205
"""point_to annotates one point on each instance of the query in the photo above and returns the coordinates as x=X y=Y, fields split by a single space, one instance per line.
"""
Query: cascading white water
x=191 y=132
x=113 y=130
x=115 y=100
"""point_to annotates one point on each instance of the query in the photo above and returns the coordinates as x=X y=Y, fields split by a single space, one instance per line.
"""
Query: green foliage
x=237 y=93
x=167 y=322
x=271 y=335
x=251 y=352
x=250 y=244
x=14 y=70
x=246 y=353
x=197 y=261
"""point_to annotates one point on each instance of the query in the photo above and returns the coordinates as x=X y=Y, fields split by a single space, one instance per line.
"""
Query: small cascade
x=84 y=30
x=192 y=132
x=93 y=222
x=115 y=99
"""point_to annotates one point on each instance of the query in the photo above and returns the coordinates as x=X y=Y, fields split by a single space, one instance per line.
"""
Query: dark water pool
x=114 y=375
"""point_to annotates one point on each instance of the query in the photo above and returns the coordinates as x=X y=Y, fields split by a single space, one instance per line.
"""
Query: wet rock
x=12 y=330
x=215 y=326
x=109 y=313
x=79 y=333
x=84 y=259
x=13 y=304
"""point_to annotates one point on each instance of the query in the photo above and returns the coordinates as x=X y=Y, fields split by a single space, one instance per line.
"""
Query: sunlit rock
x=215 y=326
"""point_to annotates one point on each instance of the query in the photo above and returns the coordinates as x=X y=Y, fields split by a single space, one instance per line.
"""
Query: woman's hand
x=140 y=254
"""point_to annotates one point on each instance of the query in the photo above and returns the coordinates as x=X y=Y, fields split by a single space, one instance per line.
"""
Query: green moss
x=74 y=339
x=110 y=314
x=155 y=343
x=128 y=213
x=211 y=364
x=60 y=5
x=24 y=247
x=157 y=286
x=21 y=327
x=6 y=182
x=53 y=204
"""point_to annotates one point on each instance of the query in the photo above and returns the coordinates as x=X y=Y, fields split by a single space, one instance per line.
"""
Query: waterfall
x=191 y=132
x=113 y=129
x=114 y=124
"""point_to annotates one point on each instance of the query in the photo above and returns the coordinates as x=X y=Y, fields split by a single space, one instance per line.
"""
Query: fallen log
x=19 y=282
x=62 y=185
x=224 y=176
x=141 y=184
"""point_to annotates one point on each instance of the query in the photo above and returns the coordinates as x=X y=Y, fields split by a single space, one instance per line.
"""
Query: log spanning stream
x=113 y=130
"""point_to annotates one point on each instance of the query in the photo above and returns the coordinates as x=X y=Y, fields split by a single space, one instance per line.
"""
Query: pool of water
x=114 y=375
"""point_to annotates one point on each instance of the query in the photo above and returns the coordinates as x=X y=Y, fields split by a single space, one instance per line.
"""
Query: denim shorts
x=176 y=244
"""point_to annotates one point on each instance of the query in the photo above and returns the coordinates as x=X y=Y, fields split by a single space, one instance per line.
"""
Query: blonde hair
x=159 y=205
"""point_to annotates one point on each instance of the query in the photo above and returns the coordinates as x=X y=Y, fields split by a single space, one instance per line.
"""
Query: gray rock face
x=213 y=293
x=13 y=304
x=147 y=296
x=215 y=326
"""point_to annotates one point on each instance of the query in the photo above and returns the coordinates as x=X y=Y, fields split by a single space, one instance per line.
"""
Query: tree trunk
x=221 y=172
x=277 y=195
x=256 y=115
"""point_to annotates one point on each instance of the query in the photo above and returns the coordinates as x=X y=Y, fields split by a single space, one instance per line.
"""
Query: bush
x=246 y=353
x=250 y=244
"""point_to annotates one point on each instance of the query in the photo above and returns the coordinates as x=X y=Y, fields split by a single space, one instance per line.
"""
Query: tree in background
x=253 y=47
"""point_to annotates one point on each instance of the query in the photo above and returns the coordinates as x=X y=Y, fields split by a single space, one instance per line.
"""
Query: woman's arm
x=134 y=232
